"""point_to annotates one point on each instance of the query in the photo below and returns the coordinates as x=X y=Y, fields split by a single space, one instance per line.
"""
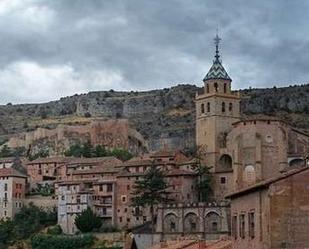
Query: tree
x=87 y=221
x=6 y=232
x=30 y=220
x=204 y=178
x=150 y=191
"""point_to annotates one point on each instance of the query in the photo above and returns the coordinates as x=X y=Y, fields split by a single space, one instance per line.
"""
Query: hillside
x=163 y=116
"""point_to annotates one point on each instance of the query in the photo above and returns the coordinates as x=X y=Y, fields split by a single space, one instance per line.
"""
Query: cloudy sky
x=55 y=48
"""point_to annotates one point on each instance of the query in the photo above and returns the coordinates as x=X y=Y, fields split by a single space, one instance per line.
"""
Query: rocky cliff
x=163 y=117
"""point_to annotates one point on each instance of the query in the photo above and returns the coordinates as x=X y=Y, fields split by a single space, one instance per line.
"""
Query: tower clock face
x=269 y=139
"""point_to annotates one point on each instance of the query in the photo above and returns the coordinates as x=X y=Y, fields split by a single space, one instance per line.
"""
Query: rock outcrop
x=163 y=117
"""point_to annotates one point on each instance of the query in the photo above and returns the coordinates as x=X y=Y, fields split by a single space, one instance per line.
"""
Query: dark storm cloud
x=55 y=48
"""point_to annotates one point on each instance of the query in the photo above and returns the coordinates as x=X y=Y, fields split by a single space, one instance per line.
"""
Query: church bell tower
x=217 y=108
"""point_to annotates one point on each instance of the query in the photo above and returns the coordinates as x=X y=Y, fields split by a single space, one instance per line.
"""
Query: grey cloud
x=151 y=44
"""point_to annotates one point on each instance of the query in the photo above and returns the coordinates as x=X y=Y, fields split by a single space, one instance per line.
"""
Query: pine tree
x=151 y=190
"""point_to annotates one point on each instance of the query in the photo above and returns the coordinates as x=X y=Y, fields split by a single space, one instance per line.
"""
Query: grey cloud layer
x=55 y=48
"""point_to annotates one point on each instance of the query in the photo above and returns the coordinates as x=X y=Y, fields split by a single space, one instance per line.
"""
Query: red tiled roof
x=49 y=160
x=94 y=160
x=173 y=172
x=11 y=172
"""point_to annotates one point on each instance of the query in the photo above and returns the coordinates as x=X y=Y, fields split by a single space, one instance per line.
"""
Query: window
x=223 y=107
x=242 y=226
x=249 y=174
x=208 y=107
x=234 y=226
x=214 y=226
x=144 y=218
x=125 y=210
x=172 y=226
x=251 y=225
x=62 y=197
x=202 y=108
x=120 y=219
x=216 y=86
x=5 y=187
x=124 y=198
x=128 y=187
x=207 y=88
x=128 y=219
x=224 y=88
x=109 y=188
x=230 y=107
x=101 y=188
x=223 y=180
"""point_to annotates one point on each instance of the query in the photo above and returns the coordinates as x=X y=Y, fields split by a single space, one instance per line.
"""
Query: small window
x=120 y=219
x=216 y=87
x=223 y=180
x=242 y=226
x=128 y=187
x=224 y=88
x=230 y=107
x=109 y=188
x=202 y=108
x=124 y=198
x=208 y=107
x=207 y=88
x=251 y=225
x=234 y=226
x=223 y=107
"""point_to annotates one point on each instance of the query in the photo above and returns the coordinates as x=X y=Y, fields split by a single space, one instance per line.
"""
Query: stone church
x=242 y=154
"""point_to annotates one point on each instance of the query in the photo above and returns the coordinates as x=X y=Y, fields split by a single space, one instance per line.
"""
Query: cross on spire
x=217 y=41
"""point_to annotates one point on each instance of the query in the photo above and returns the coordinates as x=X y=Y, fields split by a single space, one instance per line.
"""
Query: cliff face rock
x=163 y=117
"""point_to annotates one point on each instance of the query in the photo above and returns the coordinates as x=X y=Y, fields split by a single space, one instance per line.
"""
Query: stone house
x=273 y=213
x=44 y=170
x=12 y=191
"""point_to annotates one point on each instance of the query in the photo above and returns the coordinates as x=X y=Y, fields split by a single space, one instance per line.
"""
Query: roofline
x=265 y=184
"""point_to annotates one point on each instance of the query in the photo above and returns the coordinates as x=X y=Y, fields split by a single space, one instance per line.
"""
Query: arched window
x=208 y=107
x=207 y=88
x=223 y=106
x=216 y=86
x=202 y=108
x=212 y=223
x=170 y=224
x=230 y=107
x=225 y=162
x=224 y=87
x=191 y=223
x=249 y=174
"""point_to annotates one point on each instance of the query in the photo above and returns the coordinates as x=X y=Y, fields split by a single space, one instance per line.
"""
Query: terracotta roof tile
x=11 y=172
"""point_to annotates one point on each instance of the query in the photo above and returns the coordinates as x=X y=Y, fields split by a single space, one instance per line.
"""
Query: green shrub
x=55 y=230
x=43 y=241
x=87 y=221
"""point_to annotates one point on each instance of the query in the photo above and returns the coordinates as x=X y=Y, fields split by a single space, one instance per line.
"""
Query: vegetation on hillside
x=88 y=151
x=28 y=221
